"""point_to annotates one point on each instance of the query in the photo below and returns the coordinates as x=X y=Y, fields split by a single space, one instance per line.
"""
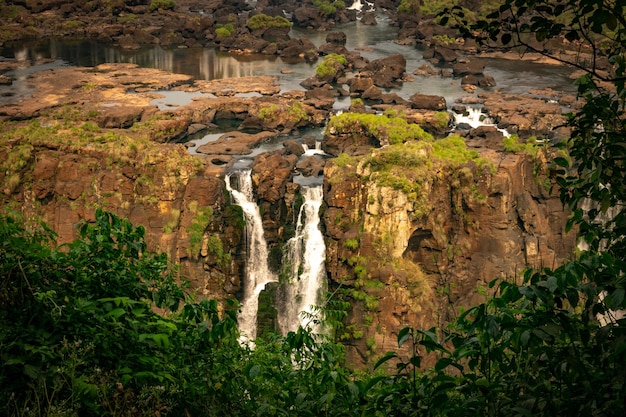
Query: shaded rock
x=373 y=94
x=293 y=148
x=428 y=102
x=337 y=38
x=302 y=47
x=461 y=69
x=386 y=71
x=369 y=18
x=443 y=54
x=392 y=98
x=311 y=166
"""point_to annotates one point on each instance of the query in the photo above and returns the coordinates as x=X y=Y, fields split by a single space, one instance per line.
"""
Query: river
x=372 y=42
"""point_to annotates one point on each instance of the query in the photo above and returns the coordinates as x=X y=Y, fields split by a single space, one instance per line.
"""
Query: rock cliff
x=415 y=228
x=416 y=257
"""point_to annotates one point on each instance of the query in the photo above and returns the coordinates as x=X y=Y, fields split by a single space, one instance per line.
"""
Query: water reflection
x=373 y=42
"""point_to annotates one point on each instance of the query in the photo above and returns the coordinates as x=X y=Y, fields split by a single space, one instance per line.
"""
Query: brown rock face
x=409 y=264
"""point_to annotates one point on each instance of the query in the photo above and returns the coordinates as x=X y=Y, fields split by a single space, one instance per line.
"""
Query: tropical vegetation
x=103 y=327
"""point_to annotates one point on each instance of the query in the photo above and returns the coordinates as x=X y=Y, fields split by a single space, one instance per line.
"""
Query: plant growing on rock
x=223 y=32
x=328 y=8
x=384 y=128
x=263 y=21
x=331 y=66
x=162 y=5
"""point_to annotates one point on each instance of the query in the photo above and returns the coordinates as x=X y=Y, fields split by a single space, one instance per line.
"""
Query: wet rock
x=293 y=148
x=428 y=102
x=311 y=166
x=386 y=71
x=337 y=38
x=461 y=69
x=369 y=18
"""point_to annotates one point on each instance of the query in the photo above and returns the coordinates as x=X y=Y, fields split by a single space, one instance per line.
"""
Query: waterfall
x=317 y=150
x=304 y=261
x=257 y=273
x=474 y=117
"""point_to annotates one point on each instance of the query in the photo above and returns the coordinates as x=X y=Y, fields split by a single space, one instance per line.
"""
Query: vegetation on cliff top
x=67 y=131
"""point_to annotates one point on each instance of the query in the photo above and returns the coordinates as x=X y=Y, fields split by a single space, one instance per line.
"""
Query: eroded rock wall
x=402 y=265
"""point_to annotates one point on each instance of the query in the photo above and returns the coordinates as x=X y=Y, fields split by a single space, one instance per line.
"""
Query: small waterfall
x=359 y=5
x=474 y=117
x=317 y=150
x=257 y=274
x=305 y=258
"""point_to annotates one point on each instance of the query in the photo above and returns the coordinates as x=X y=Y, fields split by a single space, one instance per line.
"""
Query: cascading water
x=305 y=257
x=257 y=274
x=474 y=117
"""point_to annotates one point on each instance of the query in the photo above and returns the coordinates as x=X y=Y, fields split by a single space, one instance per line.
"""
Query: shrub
x=330 y=65
x=162 y=5
x=263 y=21
x=393 y=130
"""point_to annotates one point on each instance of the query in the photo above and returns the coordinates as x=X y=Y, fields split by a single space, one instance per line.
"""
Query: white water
x=305 y=257
x=257 y=274
x=475 y=118
x=315 y=151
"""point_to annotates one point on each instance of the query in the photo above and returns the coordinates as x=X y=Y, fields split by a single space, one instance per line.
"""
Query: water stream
x=257 y=273
x=304 y=259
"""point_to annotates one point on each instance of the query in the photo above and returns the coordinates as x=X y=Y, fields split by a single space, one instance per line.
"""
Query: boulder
x=121 y=117
x=428 y=102
x=369 y=18
x=386 y=71
x=293 y=148
x=311 y=166
x=360 y=84
x=461 y=69
x=337 y=38
x=270 y=173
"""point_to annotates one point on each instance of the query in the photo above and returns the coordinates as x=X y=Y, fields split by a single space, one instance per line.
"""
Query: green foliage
x=162 y=5
x=224 y=31
x=351 y=244
x=268 y=113
x=199 y=223
x=512 y=144
x=328 y=8
x=384 y=128
x=297 y=113
x=330 y=66
x=408 y=6
x=344 y=160
x=263 y=21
